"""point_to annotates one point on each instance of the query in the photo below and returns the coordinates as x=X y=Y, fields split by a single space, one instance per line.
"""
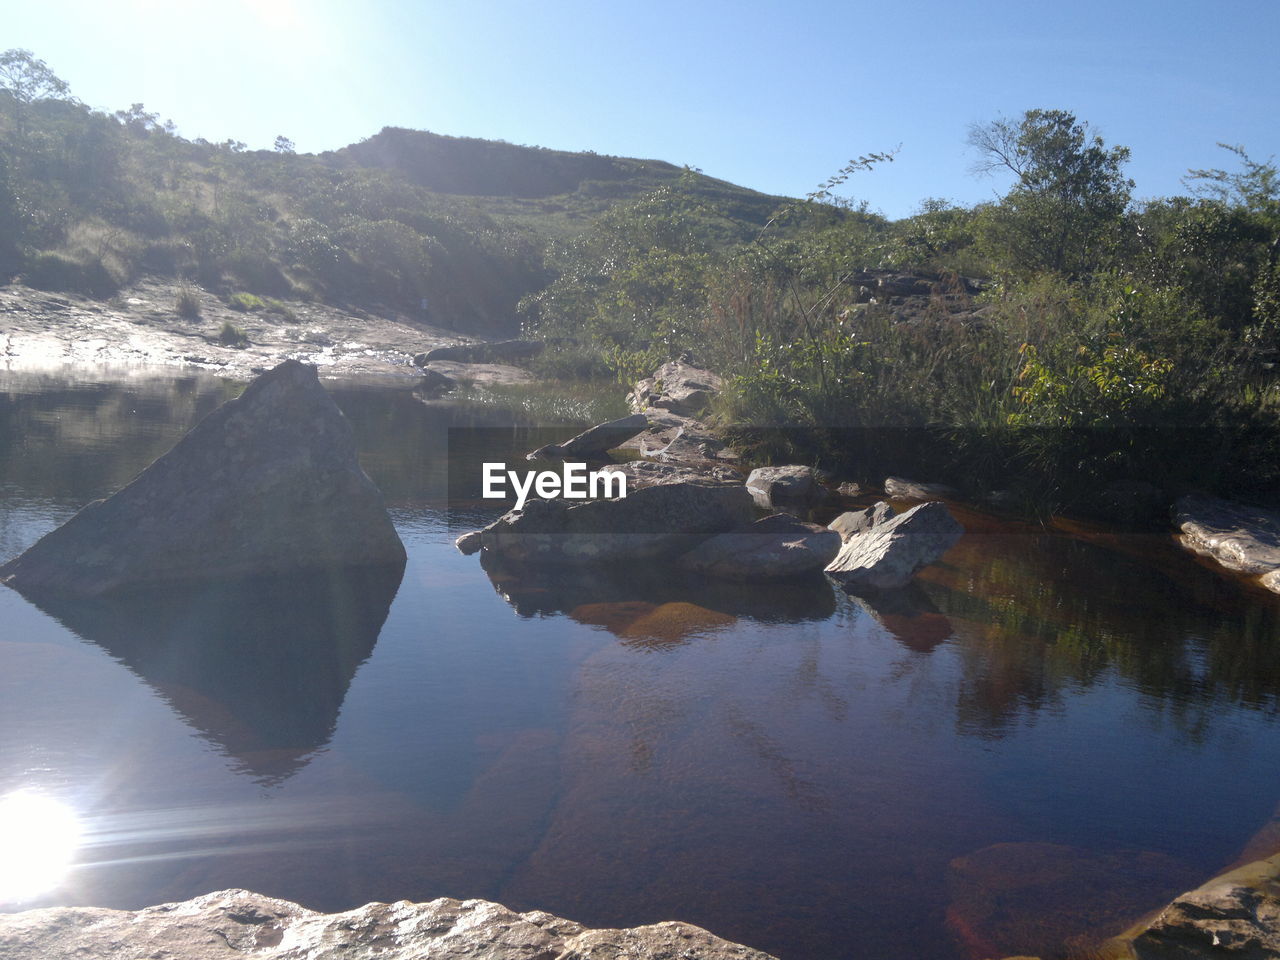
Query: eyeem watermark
x=575 y=483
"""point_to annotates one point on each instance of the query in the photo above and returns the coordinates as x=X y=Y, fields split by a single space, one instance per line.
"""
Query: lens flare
x=38 y=841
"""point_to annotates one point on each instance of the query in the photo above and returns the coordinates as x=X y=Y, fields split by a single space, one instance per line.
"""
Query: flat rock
x=234 y=924
x=1236 y=914
x=596 y=441
x=857 y=521
x=493 y=351
x=480 y=372
x=900 y=489
x=888 y=555
x=1240 y=537
x=646 y=473
x=676 y=386
x=268 y=483
x=656 y=521
x=779 y=487
x=779 y=547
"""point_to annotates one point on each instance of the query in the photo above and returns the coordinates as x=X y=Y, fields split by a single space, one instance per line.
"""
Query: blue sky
x=770 y=95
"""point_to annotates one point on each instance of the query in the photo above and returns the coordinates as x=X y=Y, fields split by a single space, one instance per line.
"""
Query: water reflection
x=39 y=837
x=909 y=615
x=260 y=668
x=655 y=607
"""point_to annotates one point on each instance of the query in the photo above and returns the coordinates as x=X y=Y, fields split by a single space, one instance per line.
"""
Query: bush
x=48 y=270
x=246 y=302
x=188 y=304
x=232 y=336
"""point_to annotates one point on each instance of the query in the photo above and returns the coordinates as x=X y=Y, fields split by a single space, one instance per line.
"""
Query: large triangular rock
x=888 y=554
x=268 y=483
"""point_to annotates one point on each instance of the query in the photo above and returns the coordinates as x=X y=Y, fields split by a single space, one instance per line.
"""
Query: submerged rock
x=596 y=441
x=781 y=487
x=497 y=351
x=233 y=924
x=900 y=489
x=888 y=555
x=657 y=521
x=678 y=387
x=775 y=548
x=267 y=484
x=1240 y=537
x=857 y=521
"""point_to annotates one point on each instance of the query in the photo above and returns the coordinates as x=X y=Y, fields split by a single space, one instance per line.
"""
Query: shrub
x=48 y=270
x=232 y=336
x=188 y=304
x=246 y=302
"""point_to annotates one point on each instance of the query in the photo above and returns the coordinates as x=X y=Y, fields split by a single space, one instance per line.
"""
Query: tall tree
x=1064 y=211
x=27 y=79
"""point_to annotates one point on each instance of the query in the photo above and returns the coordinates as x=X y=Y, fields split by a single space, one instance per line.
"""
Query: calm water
x=1048 y=737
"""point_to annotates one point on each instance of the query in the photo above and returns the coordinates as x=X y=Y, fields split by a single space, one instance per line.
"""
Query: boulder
x=595 y=442
x=1240 y=537
x=645 y=473
x=234 y=924
x=497 y=351
x=656 y=521
x=849 y=489
x=775 y=488
x=775 y=548
x=678 y=387
x=887 y=555
x=468 y=543
x=856 y=521
x=899 y=489
x=268 y=483
x=434 y=383
x=1236 y=914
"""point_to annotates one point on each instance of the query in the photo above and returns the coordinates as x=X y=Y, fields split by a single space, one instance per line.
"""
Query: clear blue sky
x=770 y=95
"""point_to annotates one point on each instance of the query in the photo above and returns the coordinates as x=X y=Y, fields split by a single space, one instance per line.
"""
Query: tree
x=1065 y=209
x=284 y=145
x=27 y=79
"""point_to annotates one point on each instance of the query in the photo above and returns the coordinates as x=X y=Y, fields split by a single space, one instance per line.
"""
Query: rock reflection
x=260 y=668
x=910 y=616
x=655 y=608
x=1039 y=615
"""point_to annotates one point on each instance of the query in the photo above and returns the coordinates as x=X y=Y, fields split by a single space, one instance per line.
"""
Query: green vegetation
x=1051 y=342
x=232 y=336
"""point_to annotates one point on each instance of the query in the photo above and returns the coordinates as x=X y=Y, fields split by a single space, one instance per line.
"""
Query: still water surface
x=1048 y=737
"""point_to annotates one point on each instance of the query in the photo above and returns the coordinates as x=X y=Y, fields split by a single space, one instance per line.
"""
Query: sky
x=774 y=96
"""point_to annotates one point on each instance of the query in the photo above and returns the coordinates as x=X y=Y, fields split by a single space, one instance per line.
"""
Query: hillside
x=91 y=202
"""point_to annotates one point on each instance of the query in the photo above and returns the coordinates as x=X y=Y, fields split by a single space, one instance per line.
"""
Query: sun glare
x=38 y=840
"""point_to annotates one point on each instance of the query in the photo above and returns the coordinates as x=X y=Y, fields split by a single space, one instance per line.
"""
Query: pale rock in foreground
x=267 y=484
x=858 y=521
x=888 y=555
x=775 y=548
x=235 y=924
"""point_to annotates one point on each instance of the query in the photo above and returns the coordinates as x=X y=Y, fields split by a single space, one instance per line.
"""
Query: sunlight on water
x=39 y=837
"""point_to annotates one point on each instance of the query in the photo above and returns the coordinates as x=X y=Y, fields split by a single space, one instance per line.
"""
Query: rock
x=888 y=554
x=1236 y=914
x=678 y=387
x=1132 y=501
x=645 y=473
x=777 y=487
x=268 y=483
x=597 y=441
x=1238 y=536
x=899 y=489
x=849 y=489
x=468 y=543
x=856 y=521
x=775 y=548
x=656 y=521
x=234 y=924
x=484 y=373
x=498 y=351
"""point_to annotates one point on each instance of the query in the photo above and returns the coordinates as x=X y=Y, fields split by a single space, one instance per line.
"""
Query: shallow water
x=1049 y=736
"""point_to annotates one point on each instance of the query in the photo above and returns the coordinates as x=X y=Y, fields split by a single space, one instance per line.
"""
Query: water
x=1053 y=733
